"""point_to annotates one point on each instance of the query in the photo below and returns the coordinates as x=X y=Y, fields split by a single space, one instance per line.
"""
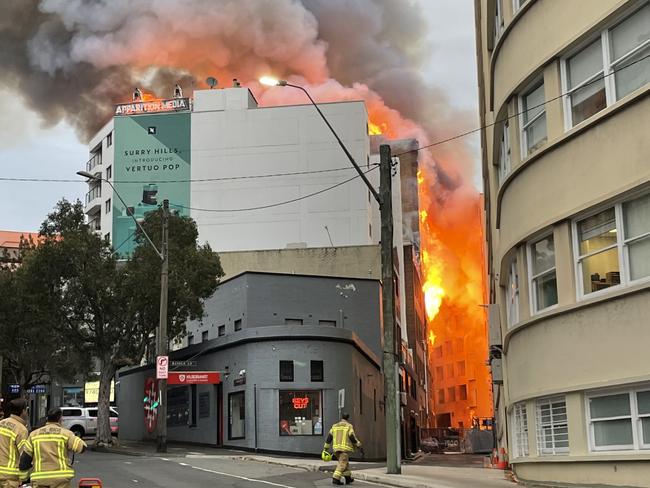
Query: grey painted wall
x=266 y=299
x=345 y=366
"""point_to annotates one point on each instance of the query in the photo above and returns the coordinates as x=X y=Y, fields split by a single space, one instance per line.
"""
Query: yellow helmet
x=326 y=456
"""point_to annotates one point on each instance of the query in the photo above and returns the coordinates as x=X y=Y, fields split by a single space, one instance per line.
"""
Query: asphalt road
x=118 y=471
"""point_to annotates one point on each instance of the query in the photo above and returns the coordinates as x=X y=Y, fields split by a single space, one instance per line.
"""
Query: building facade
x=564 y=101
x=285 y=346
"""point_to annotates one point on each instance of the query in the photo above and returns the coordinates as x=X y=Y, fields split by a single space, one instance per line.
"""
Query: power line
x=261 y=207
x=200 y=180
x=470 y=132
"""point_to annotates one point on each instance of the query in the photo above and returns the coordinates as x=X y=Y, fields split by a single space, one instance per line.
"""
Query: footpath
x=414 y=474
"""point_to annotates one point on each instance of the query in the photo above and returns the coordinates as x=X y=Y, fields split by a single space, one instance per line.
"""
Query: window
x=178 y=406
x=441 y=396
x=462 y=392
x=504 y=153
x=107 y=206
x=520 y=432
x=237 y=325
x=204 y=336
x=533 y=120
x=107 y=237
x=517 y=4
x=542 y=270
x=317 y=371
x=300 y=413
x=512 y=295
x=221 y=330
x=609 y=68
x=109 y=139
x=619 y=421
x=109 y=172
x=451 y=394
x=499 y=22
x=327 y=323
x=450 y=371
x=552 y=427
x=439 y=373
x=190 y=340
x=292 y=321
x=193 y=412
x=72 y=412
x=286 y=370
x=237 y=415
x=461 y=368
x=619 y=234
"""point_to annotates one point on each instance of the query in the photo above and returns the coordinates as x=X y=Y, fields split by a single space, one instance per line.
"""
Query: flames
x=376 y=129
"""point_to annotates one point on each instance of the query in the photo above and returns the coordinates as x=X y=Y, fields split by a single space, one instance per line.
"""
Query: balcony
x=95 y=225
x=94 y=200
x=96 y=160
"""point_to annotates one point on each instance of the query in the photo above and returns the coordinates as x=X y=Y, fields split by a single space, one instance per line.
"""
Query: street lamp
x=161 y=341
x=384 y=199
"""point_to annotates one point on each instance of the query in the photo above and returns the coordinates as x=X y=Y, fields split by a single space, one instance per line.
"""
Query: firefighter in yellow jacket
x=342 y=440
x=47 y=451
x=13 y=439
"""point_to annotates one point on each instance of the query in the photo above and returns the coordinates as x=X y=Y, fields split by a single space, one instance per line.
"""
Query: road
x=118 y=471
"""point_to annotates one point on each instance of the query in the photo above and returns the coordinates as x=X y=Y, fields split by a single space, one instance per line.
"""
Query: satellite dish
x=211 y=81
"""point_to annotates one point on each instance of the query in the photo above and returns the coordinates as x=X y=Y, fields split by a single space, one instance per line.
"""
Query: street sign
x=162 y=367
x=194 y=378
x=14 y=389
x=184 y=364
x=37 y=389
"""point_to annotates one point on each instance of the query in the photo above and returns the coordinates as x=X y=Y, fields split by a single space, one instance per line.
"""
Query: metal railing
x=96 y=160
x=96 y=192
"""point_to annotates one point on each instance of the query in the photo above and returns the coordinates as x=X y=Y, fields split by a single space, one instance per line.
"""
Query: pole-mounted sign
x=162 y=367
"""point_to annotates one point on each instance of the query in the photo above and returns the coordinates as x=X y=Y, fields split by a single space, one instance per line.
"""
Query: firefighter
x=342 y=440
x=48 y=449
x=13 y=439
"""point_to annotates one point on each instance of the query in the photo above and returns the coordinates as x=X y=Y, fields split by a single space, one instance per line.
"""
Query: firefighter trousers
x=343 y=467
x=51 y=484
x=6 y=483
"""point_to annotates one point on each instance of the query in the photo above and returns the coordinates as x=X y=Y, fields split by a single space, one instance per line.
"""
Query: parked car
x=83 y=420
x=430 y=444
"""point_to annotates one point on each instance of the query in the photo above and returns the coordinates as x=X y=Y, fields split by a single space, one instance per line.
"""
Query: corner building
x=566 y=165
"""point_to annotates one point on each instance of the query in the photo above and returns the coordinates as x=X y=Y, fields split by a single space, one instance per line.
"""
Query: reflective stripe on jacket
x=13 y=439
x=341 y=437
x=49 y=447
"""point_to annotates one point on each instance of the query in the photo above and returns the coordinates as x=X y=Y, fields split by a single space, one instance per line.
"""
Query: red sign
x=194 y=378
x=300 y=403
x=150 y=404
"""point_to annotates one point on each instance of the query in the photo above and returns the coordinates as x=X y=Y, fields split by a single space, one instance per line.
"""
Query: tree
x=109 y=310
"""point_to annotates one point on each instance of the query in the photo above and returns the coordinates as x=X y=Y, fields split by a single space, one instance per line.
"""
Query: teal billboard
x=152 y=163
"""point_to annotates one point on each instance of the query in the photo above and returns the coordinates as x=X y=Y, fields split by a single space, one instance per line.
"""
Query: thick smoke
x=73 y=59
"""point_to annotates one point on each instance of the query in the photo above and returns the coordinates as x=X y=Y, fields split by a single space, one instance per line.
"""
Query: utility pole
x=388 y=311
x=162 y=343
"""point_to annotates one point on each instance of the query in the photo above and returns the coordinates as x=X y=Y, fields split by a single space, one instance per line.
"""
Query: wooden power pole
x=162 y=342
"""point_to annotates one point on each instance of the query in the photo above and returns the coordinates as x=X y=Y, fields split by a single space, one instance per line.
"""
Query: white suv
x=83 y=420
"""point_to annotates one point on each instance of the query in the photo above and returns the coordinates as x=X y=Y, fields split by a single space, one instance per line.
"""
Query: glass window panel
x=300 y=413
x=639 y=252
x=597 y=232
x=533 y=103
x=585 y=64
x=632 y=73
x=636 y=216
x=546 y=291
x=587 y=101
x=643 y=401
x=645 y=425
x=536 y=134
x=237 y=415
x=543 y=255
x=601 y=271
x=630 y=33
x=609 y=406
x=613 y=433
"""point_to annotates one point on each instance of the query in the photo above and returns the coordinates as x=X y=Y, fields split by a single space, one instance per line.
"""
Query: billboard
x=152 y=163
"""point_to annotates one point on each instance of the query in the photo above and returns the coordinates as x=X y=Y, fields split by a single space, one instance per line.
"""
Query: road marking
x=244 y=478
x=128 y=462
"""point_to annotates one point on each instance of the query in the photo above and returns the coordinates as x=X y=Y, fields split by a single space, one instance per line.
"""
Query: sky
x=28 y=149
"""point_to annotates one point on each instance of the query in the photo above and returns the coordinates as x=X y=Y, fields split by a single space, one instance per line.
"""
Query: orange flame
x=376 y=129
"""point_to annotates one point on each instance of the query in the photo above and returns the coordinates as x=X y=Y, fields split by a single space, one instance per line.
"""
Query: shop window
x=543 y=281
x=286 y=370
x=178 y=406
x=300 y=413
x=237 y=415
x=317 y=371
